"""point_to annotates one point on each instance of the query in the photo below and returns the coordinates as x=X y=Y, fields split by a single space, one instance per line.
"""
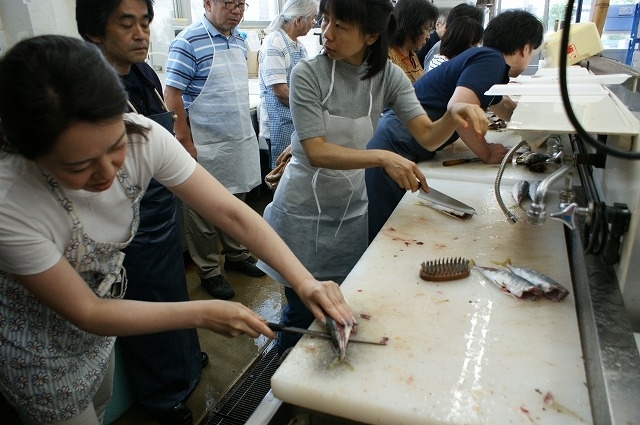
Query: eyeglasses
x=231 y=5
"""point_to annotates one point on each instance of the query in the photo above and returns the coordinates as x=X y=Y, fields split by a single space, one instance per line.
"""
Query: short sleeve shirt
x=35 y=229
x=191 y=55
x=477 y=68
x=311 y=81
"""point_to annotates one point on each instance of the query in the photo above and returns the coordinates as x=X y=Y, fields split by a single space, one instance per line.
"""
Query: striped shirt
x=191 y=56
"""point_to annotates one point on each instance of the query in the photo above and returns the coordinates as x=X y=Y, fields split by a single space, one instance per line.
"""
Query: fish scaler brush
x=444 y=269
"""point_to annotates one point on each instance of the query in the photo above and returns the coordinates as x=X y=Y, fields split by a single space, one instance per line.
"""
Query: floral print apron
x=49 y=368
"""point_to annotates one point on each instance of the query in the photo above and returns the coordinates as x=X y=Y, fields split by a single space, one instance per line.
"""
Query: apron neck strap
x=333 y=74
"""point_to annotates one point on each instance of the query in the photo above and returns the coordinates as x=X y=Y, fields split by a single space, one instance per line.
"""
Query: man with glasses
x=207 y=86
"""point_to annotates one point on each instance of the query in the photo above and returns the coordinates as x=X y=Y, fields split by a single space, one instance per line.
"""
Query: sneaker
x=247 y=267
x=218 y=287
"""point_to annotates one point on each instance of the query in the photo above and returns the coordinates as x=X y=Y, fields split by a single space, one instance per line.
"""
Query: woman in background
x=70 y=189
x=414 y=19
x=279 y=53
x=462 y=33
x=320 y=206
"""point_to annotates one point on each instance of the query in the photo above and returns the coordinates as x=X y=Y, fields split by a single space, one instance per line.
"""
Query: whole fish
x=520 y=190
x=339 y=336
x=551 y=289
x=510 y=282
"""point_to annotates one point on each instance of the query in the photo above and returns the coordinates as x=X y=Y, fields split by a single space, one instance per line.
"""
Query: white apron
x=221 y=124
x=320 y=213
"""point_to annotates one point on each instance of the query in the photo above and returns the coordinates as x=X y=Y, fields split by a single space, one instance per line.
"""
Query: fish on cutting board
x=510 y=282
x=551 y=289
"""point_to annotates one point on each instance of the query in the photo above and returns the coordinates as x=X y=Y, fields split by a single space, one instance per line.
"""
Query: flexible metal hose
x=507 y=158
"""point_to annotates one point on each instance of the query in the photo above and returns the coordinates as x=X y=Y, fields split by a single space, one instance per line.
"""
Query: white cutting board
x=459 y=352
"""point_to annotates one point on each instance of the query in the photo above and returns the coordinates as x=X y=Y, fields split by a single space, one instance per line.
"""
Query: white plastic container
x=584 y=41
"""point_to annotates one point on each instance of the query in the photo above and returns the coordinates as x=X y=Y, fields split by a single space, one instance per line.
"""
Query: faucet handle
x=566 y=215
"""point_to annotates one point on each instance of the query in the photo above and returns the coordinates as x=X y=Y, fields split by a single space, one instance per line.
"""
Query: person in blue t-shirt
x=509 y=42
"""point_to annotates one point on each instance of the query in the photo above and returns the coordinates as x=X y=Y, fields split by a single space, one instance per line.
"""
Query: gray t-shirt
x=311 y=82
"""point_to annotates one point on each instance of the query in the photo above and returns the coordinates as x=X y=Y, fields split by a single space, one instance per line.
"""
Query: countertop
x=459 y=352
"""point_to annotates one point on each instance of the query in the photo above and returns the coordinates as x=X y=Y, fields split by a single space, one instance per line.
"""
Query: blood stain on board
x=365 y=316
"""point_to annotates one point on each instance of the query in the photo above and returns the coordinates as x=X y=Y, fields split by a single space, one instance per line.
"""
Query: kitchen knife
x=450 y=162
x=440 y=199
x=277 y=327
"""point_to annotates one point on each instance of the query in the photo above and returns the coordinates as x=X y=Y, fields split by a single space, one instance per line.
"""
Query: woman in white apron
x=69 y=197
x=320 y=205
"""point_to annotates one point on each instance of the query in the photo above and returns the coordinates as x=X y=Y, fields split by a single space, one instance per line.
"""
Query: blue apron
x=280 y=120
x=175 y=369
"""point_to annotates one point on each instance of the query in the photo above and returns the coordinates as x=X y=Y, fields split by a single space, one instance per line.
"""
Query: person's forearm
x=431 y=135
x=282 y=93
x=242 y=223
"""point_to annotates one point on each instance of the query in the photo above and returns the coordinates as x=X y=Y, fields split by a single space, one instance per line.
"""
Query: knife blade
x=436 y=197
x=450 y=162
x=277 y=327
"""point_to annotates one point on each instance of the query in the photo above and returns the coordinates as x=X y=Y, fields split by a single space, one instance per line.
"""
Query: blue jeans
x=295 y=313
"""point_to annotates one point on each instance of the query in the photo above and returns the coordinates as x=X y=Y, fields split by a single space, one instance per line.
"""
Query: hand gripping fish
x=510 y=282
x=551 y=289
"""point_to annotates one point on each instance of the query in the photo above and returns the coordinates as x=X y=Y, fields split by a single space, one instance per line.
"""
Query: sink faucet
x=536 y=214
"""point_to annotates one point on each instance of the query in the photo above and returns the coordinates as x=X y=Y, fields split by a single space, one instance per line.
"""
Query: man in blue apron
x=162 y=380
x=207 y=86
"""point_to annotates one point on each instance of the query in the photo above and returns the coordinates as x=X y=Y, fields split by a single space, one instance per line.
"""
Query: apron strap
x=314 y=181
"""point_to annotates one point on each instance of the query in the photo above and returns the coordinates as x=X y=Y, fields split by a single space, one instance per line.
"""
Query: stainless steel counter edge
x=611 y=357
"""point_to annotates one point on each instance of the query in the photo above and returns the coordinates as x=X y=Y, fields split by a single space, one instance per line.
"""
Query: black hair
x=411 y=16
x=462 y=33
x=372 y=17
x=48 y=83
x=465 y=10
x=92 y=16
x=512 y=30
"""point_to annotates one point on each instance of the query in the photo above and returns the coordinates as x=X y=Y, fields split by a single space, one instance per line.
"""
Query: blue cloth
x=478 y=68
x=191 y=56
x=295 y=314
x=155 y=270
x=280 y=120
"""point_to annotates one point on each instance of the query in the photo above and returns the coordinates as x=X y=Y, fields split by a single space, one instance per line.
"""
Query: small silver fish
x=339 y=337
x=510 y=282
x=533 y=186
x=551 y=289
x=520 y=190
